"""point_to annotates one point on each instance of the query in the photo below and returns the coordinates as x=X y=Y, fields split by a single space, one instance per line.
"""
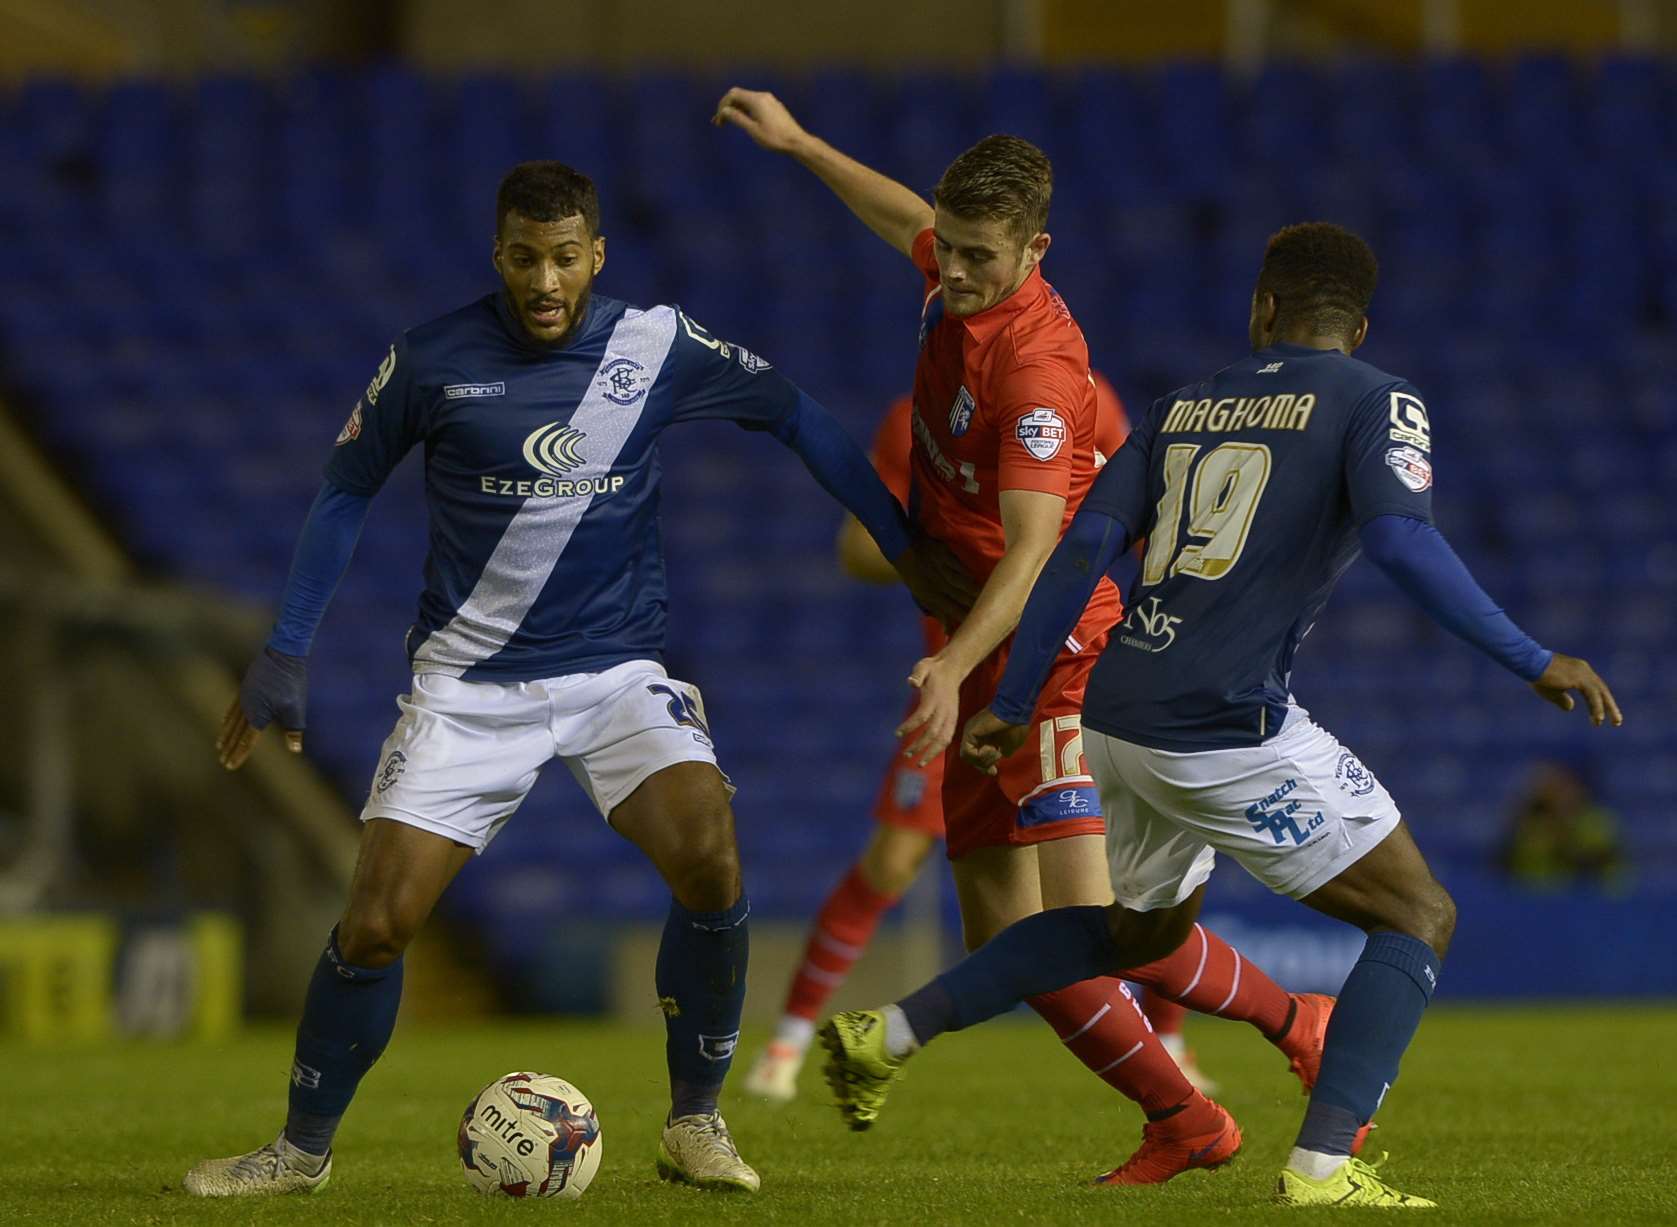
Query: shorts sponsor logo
x=352 y=428
x=718 y=1047
x=960 y=413
x=1061 y=805
x=1410 y=467
x=1149 y=628
x=465 y=391
x=391 y=772
x=1409 y=421
x=1354 y=778
x=624 y=381
x=1043 y=432
x=1279 y=815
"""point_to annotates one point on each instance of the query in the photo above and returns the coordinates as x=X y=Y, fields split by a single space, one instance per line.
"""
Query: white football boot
x=278 y=1167
x=700 y=1150
x=774 y=1075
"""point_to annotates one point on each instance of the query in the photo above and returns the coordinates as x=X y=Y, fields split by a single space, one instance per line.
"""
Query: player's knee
x=1436 y=917
x=1146 y=937
x=373 y=937
x=704 y=874
x=891 y=865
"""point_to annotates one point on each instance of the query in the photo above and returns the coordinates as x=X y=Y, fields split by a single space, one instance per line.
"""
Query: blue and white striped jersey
x=542 y=476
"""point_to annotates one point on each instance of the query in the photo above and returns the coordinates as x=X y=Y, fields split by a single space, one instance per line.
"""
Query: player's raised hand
x=937 y=580
x=761 y=116
x=988 y=739
x=930 y=727
x=275 y=688
x=1566 y=674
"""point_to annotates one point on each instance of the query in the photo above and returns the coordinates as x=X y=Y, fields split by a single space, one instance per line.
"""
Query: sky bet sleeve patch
x=1043 y=432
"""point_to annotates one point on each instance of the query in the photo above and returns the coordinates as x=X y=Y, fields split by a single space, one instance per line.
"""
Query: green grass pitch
x=1562 y=1115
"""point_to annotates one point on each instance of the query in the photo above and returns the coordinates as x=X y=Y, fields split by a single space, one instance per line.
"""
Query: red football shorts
x=1043 y=791
x=911 y=796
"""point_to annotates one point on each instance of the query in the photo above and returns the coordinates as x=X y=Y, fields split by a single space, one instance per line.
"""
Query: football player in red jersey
x=1003 y=423
x=908 y=810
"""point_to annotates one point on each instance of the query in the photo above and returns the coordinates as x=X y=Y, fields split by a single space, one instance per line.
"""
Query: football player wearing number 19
x=1253 y=490
x=539 y=636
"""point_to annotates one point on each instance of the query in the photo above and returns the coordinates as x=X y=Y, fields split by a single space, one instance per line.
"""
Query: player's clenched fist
x=761 y=116
x=988 y=739
x=275 y=689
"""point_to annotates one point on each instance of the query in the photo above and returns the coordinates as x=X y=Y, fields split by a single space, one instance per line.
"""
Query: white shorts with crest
x=1296 y=812
x=465 y=754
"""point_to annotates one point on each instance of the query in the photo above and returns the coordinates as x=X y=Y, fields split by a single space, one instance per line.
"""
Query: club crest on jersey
x=1043 y=432
x=960 y=413
x=352 y=428
x=552 y=449
x=624 y=381
x=1410 y=467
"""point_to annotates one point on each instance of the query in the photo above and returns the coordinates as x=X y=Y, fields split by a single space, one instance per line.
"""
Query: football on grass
x=530 y=1135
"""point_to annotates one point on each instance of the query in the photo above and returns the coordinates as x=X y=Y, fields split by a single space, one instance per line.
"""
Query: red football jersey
x=1003 y=400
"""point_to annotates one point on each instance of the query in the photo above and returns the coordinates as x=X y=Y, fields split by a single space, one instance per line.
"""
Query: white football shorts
x=1295 y=811
x=464 y=755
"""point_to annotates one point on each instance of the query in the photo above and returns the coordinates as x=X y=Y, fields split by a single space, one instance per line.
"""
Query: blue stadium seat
x=1522 y=216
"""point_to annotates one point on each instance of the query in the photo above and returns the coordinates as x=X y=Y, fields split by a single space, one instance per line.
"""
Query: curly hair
x=547 y=192
x=1321 y=274
x=1003 y=178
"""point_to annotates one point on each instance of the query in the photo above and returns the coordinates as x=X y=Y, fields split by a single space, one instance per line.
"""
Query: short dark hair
x=1321 y=274
x=1004 y=178
x=547 y=192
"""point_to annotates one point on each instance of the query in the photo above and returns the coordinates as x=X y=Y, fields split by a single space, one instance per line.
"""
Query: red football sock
x=1208 y=975
x=1105 y=1029
x=1165 y=1015
x=842 y=929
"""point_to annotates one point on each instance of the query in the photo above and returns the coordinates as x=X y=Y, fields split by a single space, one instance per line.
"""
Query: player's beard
x=575 y=312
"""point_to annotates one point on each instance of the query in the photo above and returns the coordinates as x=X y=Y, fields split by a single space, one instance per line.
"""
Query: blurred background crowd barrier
x=216 y=215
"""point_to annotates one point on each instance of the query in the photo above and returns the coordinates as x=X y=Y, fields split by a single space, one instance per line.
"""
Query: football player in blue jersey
x=539 y=636
x=1254 y=490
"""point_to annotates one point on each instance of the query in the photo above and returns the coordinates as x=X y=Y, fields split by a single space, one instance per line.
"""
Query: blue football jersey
x=1248 y=488
x=542 y=476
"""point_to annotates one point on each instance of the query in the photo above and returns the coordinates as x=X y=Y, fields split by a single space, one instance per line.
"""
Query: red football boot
x=1303 y=1042
x=1303 y=1046
x=1201 y=1135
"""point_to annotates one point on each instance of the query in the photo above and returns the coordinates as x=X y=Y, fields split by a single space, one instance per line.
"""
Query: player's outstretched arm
x=275 y=686
x=892 y=211
x=1092 y=544
x=1420 y=561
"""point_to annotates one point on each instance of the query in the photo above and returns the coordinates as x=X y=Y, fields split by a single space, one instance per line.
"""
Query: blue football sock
x=1376 y=1016
x=347 y=1020
x=701 y=989
x=1039 y=954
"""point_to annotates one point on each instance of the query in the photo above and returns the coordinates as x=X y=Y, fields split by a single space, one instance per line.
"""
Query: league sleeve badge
x=1043 y=432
